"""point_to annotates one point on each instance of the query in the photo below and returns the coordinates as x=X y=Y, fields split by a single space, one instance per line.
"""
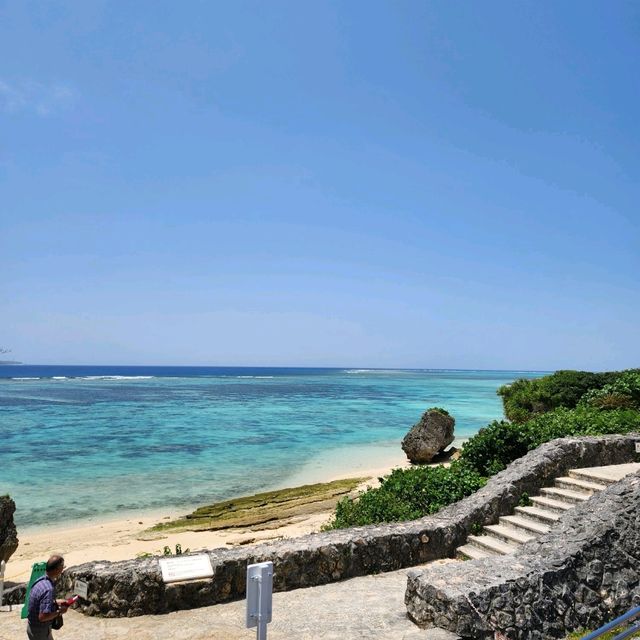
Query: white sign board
x=637 y=447
x=186 y=568
x=81 y=588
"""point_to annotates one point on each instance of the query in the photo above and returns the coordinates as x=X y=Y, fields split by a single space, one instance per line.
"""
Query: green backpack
x=38 y=569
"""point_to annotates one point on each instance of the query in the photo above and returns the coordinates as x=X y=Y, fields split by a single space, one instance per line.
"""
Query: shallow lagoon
x=84 y=441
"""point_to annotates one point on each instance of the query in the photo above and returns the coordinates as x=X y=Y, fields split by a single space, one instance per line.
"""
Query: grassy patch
x=577 y=635
x=261 y=509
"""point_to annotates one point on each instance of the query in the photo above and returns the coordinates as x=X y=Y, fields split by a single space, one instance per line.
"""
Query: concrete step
x=494 y=545
x=550 y=505
x=510 y=535
x=564 y=495
x=591 y=476
x=536 y=513
x=471 y=552
x=574 y=484
x=528 y=526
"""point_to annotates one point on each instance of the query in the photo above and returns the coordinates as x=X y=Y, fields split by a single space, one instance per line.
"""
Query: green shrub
x=499 y=444
x=494 y=447
x=622 y=393
x=525 y=398
x=407 y=494
x=579 y=422
x=525 y=500
x=578 y=635
x=444 y=412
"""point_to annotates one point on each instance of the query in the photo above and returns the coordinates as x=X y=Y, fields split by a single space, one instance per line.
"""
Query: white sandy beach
x=124 y=538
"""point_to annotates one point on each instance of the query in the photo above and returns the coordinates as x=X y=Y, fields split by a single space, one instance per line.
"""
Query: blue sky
x=408 y=184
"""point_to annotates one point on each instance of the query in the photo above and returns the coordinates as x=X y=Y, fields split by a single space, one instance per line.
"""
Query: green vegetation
x=525 y=398
x=263 y=510
x=444 y=412
x=525 y=500
x=578 y=635
x=407 y=494
x=499 y=444
x=622 y=393
x=566 y=403
x=167 y=550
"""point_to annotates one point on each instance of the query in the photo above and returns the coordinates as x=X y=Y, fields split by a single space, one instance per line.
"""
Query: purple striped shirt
x=42 y=599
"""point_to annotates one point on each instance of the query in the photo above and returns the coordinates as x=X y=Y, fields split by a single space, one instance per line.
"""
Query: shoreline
x=349 y=461
x=125 y=536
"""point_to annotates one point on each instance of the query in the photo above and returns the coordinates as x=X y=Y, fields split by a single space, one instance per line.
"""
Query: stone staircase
x=546 y=509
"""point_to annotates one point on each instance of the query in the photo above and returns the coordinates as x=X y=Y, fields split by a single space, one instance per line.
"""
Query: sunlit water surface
x=77 y=442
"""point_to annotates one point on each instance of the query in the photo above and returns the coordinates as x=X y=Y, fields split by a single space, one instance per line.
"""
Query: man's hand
x=48 y=617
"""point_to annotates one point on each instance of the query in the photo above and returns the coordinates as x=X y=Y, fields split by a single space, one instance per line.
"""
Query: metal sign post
x=259 y=597
x=3 y=565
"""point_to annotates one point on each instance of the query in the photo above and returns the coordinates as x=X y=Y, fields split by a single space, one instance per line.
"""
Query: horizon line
x=262 y=366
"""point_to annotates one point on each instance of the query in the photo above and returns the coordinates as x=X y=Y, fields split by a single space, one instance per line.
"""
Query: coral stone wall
x=583 y=573
x=135 y=587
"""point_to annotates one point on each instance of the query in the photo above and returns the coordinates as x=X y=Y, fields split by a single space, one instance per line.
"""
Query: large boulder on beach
x=8 y=533
x=429 y=436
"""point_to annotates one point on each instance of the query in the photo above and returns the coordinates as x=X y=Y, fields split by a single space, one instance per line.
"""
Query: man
x=43 y=608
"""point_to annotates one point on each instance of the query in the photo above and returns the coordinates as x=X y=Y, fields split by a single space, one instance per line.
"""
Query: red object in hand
x=70 y=601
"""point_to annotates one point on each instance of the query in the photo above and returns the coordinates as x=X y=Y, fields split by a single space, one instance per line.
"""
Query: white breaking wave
x=394 y=371
x=41 y=398
x=117 y=377
x=25 y=378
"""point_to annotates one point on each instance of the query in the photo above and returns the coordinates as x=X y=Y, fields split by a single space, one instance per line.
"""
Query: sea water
x=77 y=442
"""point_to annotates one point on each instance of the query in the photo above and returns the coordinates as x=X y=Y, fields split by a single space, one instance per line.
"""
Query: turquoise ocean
x=82 y=442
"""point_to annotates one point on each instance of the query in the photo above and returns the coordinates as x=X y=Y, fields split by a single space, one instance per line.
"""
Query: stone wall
x=583 y=573
x=8 y=533
x=135 y=587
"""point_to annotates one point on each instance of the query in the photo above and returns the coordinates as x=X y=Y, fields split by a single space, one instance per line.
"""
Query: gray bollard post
x=259 y=597
x=3 y=565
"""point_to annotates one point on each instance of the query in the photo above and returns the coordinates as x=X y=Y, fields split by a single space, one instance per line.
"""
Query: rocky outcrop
x=429 y=436
x=8 y=533
x=135 y=587
x=14 y=593
x=581 y=574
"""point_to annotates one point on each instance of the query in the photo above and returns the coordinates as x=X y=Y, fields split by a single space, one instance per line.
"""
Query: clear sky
x=356 y=183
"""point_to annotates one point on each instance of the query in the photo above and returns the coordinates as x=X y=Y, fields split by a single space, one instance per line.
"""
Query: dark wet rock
x=8 y=533
x=452 y=453
x=14 y=593
x=429 y=437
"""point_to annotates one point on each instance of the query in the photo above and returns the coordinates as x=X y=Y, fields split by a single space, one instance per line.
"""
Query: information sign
x=81 y=588
x=186 y=568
